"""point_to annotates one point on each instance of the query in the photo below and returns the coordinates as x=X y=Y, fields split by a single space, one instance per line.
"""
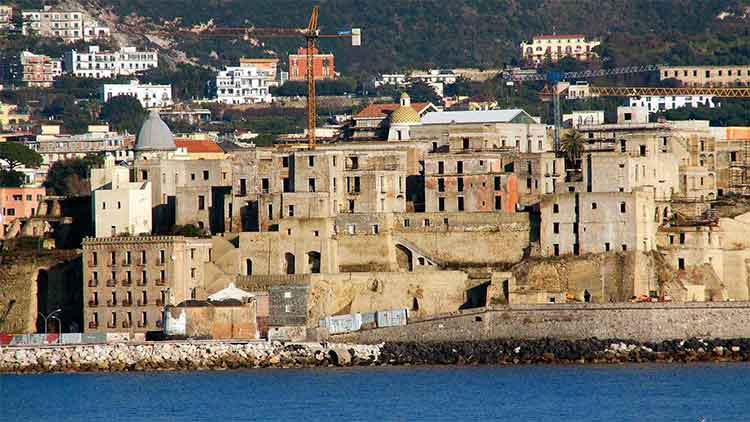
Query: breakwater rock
x=553 y=351
x=183 y=357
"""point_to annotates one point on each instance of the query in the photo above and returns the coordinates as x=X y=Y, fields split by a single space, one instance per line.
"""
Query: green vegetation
x=188 y=81
x=731 y=113
x=124 y=113
x=10 y=179
x=343 y=86
x=188 y=230
x=71 y=177
x=408 y=34
x=572 y=144
x=17 y=155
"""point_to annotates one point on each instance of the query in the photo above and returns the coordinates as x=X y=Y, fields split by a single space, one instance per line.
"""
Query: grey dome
x=155 y=135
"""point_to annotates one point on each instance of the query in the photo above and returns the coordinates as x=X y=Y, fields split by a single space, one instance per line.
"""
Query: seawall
x=186 y=356
x=641 y=322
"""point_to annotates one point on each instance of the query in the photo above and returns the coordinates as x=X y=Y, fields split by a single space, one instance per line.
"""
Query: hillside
x=481 y=33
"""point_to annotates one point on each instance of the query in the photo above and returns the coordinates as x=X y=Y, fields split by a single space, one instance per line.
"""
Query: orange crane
x=311 y=34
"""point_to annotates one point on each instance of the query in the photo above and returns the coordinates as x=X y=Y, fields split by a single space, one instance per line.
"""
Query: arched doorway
x=289 y=263
x=313 y=262
x=404 y=258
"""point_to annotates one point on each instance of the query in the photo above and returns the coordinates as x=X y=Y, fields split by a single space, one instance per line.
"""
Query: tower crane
x=555 y=88
x=311 y=34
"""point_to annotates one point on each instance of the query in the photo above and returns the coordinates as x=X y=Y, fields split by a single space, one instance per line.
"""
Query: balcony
x=161 y=282
x=111 y=303
x=93 y=325
x=127 y=302
x=141 y=282
x=111 y=324
x=127 y=283
x=141 y=302
x=125 y=262
x=159 y=302
x=93 y=303
x=111 y=283
x=125 y=324
x=93 y=283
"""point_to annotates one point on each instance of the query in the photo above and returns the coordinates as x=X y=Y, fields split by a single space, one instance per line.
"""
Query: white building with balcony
x=655 y=104
x=243 y=85
x=69 y=24
x=94 y=63
x=150 y=96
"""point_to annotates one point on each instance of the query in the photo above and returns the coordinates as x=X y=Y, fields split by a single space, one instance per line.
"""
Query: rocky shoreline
x=222 y=356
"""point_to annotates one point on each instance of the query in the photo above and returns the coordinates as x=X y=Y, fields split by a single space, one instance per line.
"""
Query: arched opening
x=313 y=262
x=414 y=304
x=404 y=258
x=249 y=266
x=289 y=263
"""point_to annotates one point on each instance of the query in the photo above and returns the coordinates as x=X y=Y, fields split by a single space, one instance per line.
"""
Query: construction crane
x=311 y=34
x=554 y=87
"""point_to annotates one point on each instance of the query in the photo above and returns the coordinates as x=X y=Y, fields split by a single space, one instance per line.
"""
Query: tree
x=421 y=92
x=123 y=113
x=462 y=87
x=16 y=155
x=71 y=177
x=572 y=144
x=11 y=179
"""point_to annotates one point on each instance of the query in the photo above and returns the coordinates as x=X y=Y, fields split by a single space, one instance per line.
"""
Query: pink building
x=18 y=203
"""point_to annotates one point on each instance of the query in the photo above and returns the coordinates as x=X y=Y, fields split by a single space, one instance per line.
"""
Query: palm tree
x=572 y=144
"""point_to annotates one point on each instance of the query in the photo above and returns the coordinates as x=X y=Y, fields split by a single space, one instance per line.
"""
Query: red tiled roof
x=563 y=36
x=381 y=111
x=198 y=147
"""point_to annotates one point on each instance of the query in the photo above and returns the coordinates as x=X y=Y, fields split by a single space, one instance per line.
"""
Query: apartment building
x=269 y=66
x=655 y=104
x=323 y=65
x=98 y=64
x=54 y=146
x=245 y=84
x=18 y=203
x=70 y=25
x=150 y=95
x=556 y=47
x=737 y=75
x=128 y=280
x=39 y=71
x=6 y=16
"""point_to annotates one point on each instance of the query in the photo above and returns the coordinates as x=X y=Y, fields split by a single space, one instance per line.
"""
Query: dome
x=155 y=135
x=405 y=115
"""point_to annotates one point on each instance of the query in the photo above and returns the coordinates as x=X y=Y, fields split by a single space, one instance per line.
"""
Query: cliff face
x=31 y=283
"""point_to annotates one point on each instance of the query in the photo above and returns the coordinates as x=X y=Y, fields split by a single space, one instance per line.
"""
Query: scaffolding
x=739 y=170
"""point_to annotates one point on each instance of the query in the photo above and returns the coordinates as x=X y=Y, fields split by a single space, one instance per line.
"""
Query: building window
x=498 y=182
x=201 y=202
x=441 y=204
x=375 y=229
x=290 y=212
x=441 y=167
x=556 y=249
x=441 y=185
x=681 y=263
x=460 y=184
x=555 y=208
x=205 y=174
x=460 y=203
x=311 y=161
x=498 y=202
x=407 y=223
x=459 y=167
x=311 y=184
x=622 y=207
x=606 y=246
x=556 y=228
x=285 y=162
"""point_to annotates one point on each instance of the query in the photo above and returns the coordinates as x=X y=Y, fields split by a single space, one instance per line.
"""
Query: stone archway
x=289 y=263
x=404 y=258
x=313 y=262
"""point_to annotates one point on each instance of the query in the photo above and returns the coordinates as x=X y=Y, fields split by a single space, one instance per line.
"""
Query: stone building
x=470 y=182
x=128 y=280
x=727 y=75
x=597 y=222
x=119 y=206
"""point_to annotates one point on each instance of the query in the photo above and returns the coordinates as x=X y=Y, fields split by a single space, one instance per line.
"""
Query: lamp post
x=46 y=318
x=59 y=328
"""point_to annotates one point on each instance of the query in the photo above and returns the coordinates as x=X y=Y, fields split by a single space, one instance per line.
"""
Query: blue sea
x=710 y=392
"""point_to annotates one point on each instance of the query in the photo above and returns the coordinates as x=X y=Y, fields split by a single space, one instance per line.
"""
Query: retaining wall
x=640 y=322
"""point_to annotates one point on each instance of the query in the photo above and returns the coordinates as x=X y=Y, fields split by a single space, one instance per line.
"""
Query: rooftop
x=381 y=111
x=558 y=36
x=198 y=146
x=483 y=116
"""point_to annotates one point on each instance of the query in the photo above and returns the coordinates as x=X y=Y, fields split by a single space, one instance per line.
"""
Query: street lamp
x=59 y=328
x=46 y=318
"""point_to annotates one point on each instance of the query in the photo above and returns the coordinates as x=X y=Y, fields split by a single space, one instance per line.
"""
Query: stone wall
x=639 y=322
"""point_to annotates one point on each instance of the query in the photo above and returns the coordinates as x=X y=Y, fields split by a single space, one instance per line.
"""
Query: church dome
x=155 y=135
x=405 y=115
